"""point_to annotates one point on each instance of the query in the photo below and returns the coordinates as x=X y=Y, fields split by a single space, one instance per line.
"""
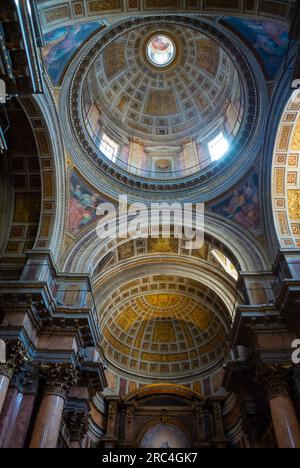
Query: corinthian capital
x=77 y=423
x=59 y=378
x=16 y=356
x=274 y=379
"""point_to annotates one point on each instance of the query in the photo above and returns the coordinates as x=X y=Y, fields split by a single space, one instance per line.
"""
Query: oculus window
x=161 y=51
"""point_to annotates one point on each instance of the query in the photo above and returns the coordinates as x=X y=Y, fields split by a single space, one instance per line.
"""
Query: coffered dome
x=159 y=97
x=163 y=102
x=164 y=327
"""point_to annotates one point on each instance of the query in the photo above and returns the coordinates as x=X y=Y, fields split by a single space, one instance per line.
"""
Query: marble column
x=15 y=358
x=274 y=378
x=9 y=415
x=59 y=378
x=20 y=432
x=4 y=385
x=286 y=425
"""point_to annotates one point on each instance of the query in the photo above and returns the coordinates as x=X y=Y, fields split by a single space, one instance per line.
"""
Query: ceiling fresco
x=242 y=206
x=61 y=45
x=270 y=39
x=210 y=252
x=83 y=204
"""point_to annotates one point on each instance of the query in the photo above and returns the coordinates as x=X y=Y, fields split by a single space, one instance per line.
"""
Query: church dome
x=166 y=103
x=172 y=330
x=154 y=100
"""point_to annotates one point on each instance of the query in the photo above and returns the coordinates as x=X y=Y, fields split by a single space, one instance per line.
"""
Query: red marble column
x=9 y=415
x=286 y=425
x=48 y=421
x=21 y=428
x=4 y=385
x=274 y=378
x=59 y=379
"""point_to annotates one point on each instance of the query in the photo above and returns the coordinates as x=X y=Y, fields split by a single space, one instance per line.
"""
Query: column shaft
x=285 y=422
x=4 y=385
x=9 y=416
x=48 y=421
x=20 y=432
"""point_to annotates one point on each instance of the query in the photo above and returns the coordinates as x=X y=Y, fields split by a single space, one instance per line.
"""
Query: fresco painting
x=269 y=38
x=62 y=43
x=242 y=206
x=165 y=436
x=82 y=206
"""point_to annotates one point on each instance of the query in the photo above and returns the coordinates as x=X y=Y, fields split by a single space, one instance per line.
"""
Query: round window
x=161 y=51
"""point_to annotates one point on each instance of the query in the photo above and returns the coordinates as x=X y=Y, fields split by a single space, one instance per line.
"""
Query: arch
x=201 y=272
x=89 y=250
x=164 y=389
x=286 y=175
x=282 y=94
x=41 y=112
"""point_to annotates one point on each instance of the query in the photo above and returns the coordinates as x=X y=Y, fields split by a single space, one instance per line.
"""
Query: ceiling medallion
x=161 y=51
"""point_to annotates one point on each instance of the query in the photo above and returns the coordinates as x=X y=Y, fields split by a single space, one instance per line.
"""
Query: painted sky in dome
x=62 y=43
x=269 y=38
